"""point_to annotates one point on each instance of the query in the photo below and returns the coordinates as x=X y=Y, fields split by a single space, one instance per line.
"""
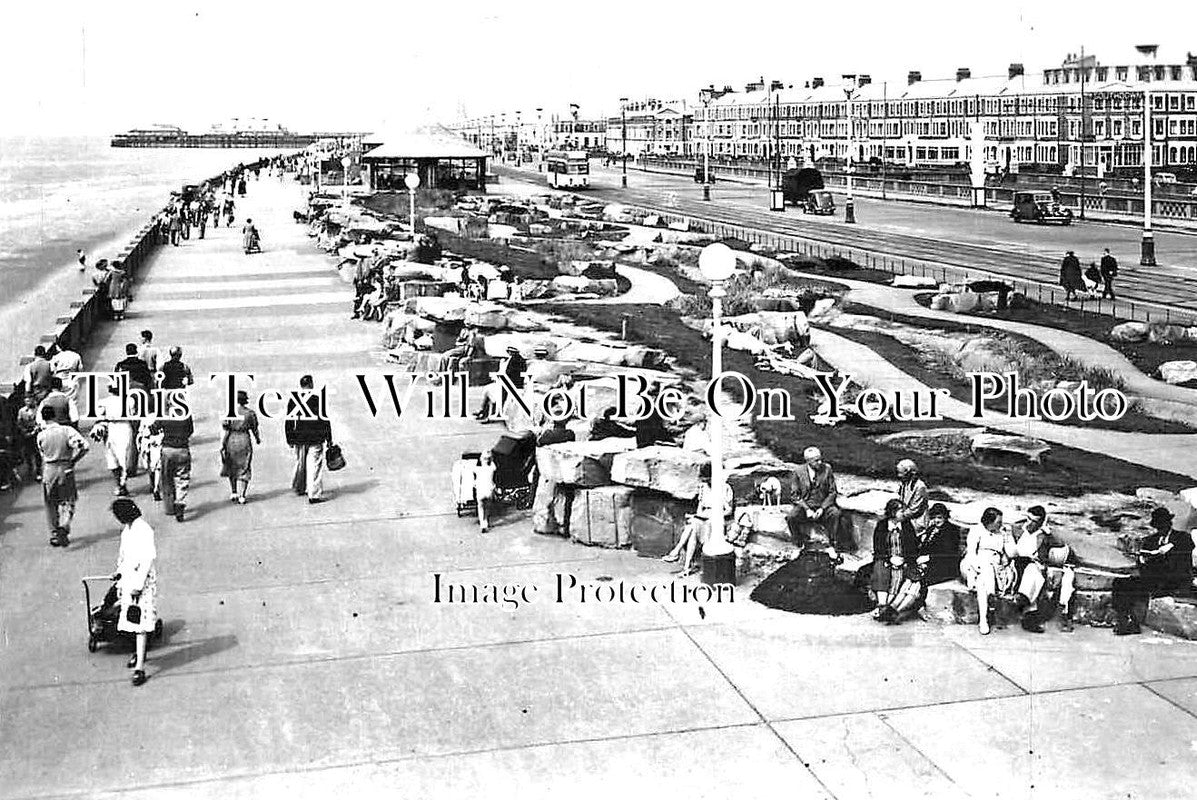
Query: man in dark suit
x=815 y=497
x=135 y=366
x=1109 y=271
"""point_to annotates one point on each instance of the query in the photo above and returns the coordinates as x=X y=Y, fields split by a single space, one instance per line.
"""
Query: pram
x=102 y=618
x=515 y=464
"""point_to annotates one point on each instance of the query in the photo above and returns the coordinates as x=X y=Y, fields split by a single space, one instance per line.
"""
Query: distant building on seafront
x=1082 y=116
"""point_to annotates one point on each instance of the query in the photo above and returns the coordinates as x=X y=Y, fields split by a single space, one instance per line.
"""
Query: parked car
x=1039 y=207
x=698 y=175
x=819 y=202
x=796 y=184
x=1165 y=177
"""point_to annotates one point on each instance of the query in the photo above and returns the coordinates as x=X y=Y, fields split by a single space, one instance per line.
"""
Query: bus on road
x=568 y=168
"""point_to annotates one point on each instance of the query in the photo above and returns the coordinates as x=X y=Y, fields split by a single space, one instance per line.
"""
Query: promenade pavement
x=304 y=655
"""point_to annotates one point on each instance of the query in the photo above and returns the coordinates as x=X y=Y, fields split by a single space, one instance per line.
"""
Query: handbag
x=133 y=614
x=334 y=459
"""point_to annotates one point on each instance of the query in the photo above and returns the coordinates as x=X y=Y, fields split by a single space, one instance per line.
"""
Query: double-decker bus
x=568 y=168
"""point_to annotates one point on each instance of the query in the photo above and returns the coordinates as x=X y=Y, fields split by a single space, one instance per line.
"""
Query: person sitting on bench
x=815 y=499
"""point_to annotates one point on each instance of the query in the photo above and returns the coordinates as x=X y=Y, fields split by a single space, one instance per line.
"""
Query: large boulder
x=1173 y=615
x=940 y=302
x=914 y=282
x=551 y=506
x=582 y=463
x=657 y=522
x=581 y=285
x=963 y=302
x=951 y=603
x=670 y=470
x=450 y=224
x=981 y=354
x=1176 y=372
x=1004 y=449
x=1161 y=333
x=602 y=516
x=1129 y=332
x=746 y=475
x=441 y=309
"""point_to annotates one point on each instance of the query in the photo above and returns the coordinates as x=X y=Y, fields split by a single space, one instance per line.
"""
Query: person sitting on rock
x=1165 y=570
x=463 y=349
x=987 y=566
x=912 y=491
x=895 y=578
x=514 y=368
x=816 y=500
x=698 y=524
x=940 y=546
x=607 y=427
x=1041 y=559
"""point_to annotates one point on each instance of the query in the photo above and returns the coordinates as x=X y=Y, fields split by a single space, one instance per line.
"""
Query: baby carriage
x=102 y=618
x=462 y=476
x=515 y=464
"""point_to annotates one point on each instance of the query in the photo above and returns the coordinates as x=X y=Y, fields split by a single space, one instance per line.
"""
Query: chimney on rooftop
x=864 y=80
x=776 y=85
x=913 y=77
x=816 y=83
x=1015 y=70
x=962 y=73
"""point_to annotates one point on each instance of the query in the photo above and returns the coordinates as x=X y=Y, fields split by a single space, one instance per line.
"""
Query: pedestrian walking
x=118 y=290
x=28 y=426
x=201 y=219
x=115 y=430
x=1092 y=277
x=66 y=412
x=60 y=447
x=229 y=207
x=237 y=448
x=148 y=353
x=37 y=374
x=149 y=454
x=136 y=581
x=308 y=434
x=1109 y=271
x=250 y=239
x=82 y=259
x=175 y=227
x=175 y=468
x=176 y=374
x=1070 y=276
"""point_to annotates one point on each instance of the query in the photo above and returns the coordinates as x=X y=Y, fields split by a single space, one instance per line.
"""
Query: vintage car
x=698 y=175
x=819 y=202
x=1039 y=207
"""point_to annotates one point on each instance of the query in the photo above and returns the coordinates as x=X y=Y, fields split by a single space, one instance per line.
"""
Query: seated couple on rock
x=907 y=559
x=1018 y=564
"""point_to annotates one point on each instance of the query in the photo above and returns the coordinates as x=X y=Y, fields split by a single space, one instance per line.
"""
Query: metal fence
x=1040 y=291
x=1178 y=209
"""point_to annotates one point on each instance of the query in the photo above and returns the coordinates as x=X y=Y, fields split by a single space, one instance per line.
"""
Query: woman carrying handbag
x=136 y=580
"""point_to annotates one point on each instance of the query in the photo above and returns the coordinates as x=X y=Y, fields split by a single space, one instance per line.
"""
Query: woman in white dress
x=119 y=446
x=149 y=451
x=136 y=581
x=987 y=566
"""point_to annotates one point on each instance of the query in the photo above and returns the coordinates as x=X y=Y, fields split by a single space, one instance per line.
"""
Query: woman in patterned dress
x=237 y=447
x=988 y=566
x=136 y=580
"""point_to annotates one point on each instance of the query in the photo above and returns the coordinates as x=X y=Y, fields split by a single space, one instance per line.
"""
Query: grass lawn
x=1067 y=473
x=916 y=365
x=1147 y=356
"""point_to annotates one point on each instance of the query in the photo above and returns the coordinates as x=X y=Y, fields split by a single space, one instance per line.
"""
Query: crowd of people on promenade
x=1097 y=276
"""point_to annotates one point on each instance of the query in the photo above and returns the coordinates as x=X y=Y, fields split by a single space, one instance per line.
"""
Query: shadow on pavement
x=190 y=652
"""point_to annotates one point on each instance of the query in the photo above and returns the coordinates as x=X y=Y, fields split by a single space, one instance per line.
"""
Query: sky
x=87 y=68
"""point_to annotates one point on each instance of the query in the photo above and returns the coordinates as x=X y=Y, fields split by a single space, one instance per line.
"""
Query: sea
x=62 y=194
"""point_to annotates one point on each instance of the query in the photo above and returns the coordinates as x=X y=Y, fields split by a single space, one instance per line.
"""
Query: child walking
x=484 y=487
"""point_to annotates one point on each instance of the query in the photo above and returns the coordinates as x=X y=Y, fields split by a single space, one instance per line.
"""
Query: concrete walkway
x=1082 y=349
x=305 y=656
x=648 y=288
x=1168 y=452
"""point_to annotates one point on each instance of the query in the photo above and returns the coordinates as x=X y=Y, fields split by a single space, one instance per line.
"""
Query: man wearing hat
x=1165 y=570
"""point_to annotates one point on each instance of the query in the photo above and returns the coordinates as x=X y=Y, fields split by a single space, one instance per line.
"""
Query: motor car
x=1040 y=208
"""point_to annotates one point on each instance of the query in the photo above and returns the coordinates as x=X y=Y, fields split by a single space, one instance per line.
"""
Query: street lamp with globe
x=412 y=181
x=717 y=262
x=346 y=163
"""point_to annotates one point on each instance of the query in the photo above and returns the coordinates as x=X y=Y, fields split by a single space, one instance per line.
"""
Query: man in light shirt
x=60 y=447
x=1043 y=560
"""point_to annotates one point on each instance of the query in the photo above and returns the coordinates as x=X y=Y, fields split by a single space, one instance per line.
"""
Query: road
x=979 y=241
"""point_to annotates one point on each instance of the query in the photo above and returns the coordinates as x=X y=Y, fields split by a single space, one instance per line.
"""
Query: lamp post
x=412 y=181
x=539 y=142
x=623 y=152
x=346 y=162
x=1147 y=246
x=717 y=263
x=849 y=204
x=706 y=95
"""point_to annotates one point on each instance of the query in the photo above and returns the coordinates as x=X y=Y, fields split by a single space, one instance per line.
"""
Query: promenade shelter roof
x=419 y=145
